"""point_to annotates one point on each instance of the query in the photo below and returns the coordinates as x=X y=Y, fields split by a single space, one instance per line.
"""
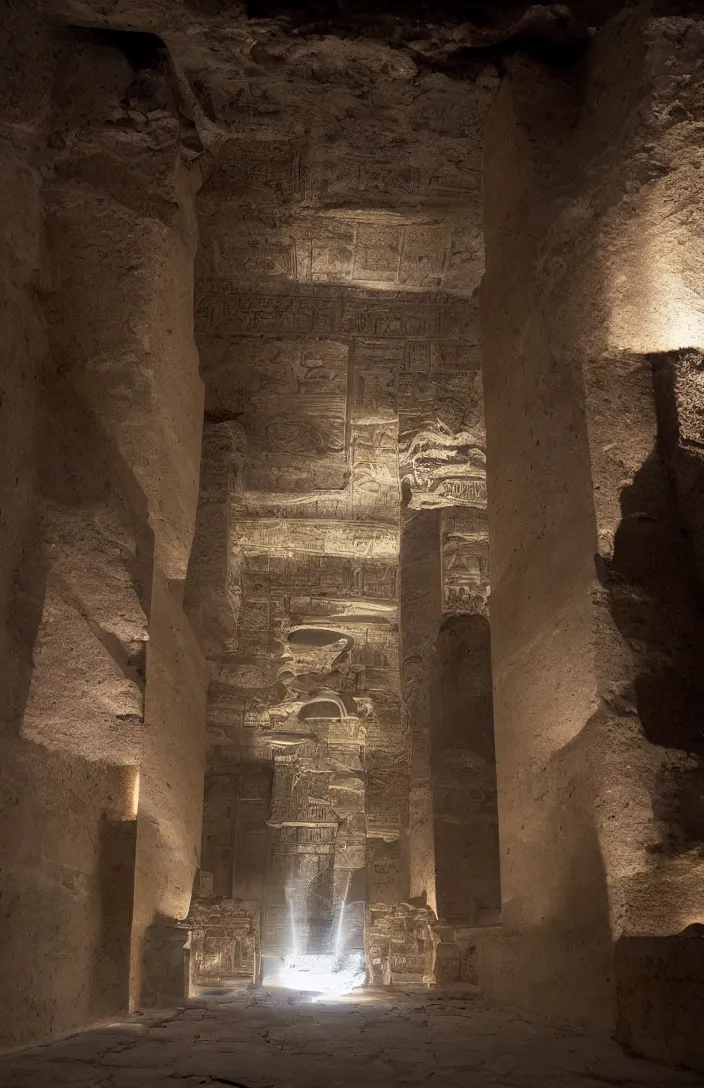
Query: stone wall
x=420 y=584
x=338 y=340
x=592 y=260
x=332 y=620
x=61 y=813
x=100 y=250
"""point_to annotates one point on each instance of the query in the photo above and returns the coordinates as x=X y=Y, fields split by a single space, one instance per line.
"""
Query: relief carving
x=224 y=940
x=465 y=563
x=340 y=338
x=440 y=468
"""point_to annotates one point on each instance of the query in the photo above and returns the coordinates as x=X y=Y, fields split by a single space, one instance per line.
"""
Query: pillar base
x=165 y=965
x=660 y=998
x=552 y=974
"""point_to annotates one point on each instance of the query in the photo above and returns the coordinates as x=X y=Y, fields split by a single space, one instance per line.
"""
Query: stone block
x=660 y=998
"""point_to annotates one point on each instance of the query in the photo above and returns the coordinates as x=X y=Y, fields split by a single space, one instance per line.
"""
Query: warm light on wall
x=655 y=293
x=133 y=807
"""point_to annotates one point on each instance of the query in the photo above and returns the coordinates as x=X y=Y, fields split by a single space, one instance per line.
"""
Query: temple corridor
x=271 y=1039
x=351 y=543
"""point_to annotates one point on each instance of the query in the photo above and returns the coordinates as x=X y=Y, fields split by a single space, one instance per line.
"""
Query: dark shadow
x=661 y=998
x=165 y=964
x=654 y=588
x=115 y=889
x=554 y=36
x=140 y=48
x=465 y=809
x=572 y=952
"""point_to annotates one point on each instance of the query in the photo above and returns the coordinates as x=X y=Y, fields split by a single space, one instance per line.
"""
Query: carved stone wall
x=338 y=338
x=420 y=617
x=224 y=941
x=338 y=584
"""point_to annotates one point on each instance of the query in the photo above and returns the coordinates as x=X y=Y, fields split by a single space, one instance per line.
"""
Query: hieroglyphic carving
x=261 y=171
x=374 y=483
x=225 y=310
x=425 y=254
x=465 y=562
x=272 y=537
x=224 y=940
x=444 y=469
x=212 y=595
x=290 y=398
x=338 y=175
x=399 y=944
x=377 y=254
x=317 y=813
x=325 y=333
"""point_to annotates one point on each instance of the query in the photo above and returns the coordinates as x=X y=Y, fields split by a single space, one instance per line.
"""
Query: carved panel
x=465 y=563
x=262 y=172
x=444 y=469
x=400 y=947
x=224 y=940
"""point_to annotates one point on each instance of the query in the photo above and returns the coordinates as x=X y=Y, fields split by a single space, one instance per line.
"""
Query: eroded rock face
x=102 y=501
x=591 y=272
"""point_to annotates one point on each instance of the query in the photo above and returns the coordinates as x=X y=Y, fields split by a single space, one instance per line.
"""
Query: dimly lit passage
x=352 y=542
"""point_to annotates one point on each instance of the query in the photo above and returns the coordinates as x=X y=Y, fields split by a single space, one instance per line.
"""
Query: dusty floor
x=281 y=1040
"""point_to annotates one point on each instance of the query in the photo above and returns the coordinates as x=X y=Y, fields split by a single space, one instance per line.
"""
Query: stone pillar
x=420 y=620
x=463 y=759
x=593 y=258
x=119 y=678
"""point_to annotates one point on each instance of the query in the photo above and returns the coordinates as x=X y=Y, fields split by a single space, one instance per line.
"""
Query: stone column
x=593 y=258
x=103 y=404
x=463 y=760
x=119 y=678
x=420 y=620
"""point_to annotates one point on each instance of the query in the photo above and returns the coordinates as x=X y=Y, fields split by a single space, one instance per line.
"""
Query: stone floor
x=283 y=1040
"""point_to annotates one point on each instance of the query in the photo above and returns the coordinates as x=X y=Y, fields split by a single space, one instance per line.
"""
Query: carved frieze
x=444 y=469
x=399 y=944
x=224 y=940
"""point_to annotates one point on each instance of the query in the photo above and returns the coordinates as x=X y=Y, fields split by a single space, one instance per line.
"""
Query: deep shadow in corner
x=656 y=597
x=110 y=981
x=655 y=590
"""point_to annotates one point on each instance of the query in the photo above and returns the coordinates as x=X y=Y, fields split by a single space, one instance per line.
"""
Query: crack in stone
x=208 y=1078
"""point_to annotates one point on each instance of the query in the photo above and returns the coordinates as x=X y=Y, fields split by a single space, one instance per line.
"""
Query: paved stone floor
x=281 y=1040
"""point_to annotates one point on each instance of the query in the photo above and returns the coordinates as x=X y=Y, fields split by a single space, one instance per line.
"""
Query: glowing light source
x=326 y=974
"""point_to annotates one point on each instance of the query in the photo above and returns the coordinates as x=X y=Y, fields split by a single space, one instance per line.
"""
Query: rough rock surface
x=102 y=414
x=593 y=269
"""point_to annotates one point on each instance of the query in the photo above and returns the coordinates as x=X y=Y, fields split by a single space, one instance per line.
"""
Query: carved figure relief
x=444 y=469
x=326 y=336
x=465 y=563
